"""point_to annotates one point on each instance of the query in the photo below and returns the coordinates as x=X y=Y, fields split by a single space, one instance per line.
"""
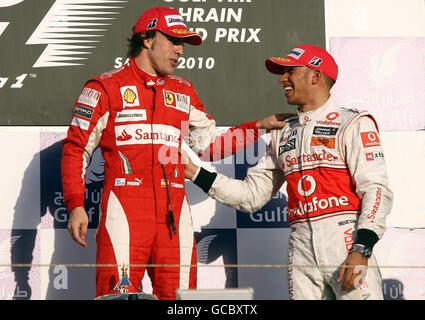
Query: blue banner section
x=272 y=215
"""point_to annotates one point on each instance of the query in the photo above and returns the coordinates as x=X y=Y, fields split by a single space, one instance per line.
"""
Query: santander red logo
x=124 y=136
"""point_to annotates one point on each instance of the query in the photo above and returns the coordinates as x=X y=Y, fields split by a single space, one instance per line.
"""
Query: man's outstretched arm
x=260 y=185
x=205 y=140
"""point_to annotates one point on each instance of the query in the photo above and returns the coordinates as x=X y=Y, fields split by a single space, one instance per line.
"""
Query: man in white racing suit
x=337 y=185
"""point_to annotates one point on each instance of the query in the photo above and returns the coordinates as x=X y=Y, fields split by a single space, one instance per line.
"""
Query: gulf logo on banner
x=370 y=139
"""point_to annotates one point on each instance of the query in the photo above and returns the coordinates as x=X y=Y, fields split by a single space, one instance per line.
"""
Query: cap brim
x=189 y=37
x=276 y=65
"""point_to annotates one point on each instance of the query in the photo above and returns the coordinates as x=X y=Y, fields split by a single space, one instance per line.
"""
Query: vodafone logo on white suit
x=306 y=182
x=307 y=186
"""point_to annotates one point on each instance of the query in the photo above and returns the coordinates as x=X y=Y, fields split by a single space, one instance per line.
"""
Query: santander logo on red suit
x=136 y=134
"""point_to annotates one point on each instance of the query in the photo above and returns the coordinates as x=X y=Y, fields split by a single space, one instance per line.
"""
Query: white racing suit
x=338 y=195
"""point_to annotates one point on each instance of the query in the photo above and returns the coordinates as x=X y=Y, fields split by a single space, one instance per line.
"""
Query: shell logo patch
x=130 y=98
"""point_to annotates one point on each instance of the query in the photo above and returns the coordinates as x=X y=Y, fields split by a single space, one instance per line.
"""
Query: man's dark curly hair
x=135 y=44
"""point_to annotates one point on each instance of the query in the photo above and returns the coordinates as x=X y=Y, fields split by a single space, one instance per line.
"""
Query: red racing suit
x=338 y=195
x=139 y=122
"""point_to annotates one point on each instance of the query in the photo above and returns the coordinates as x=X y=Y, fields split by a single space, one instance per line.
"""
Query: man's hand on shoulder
x=275 y=121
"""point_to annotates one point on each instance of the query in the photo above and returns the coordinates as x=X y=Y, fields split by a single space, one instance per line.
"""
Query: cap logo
x=182 y=31
x=152 y=23
x=316 y=61
x=174 y=20
x=281 y=59
x=296 y=53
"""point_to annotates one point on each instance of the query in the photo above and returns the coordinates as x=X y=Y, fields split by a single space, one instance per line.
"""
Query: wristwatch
x=364 y=251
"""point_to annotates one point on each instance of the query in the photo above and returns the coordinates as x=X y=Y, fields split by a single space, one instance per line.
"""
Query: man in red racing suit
x=138 y=115
x=337 y=185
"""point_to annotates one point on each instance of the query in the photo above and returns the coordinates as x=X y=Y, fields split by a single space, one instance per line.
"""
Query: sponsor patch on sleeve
x=370 y=139
x=83 y=112
x=372 y=156
x=89 y=97
x=83 y=124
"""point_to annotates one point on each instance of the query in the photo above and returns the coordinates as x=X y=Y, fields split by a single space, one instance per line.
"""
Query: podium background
x=44 y=62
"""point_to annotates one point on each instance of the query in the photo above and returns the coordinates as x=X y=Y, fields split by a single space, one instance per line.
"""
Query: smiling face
x=296 y=83
x=162 y=54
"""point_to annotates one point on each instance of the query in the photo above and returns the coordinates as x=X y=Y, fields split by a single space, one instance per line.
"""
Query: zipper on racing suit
x=170 y=211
